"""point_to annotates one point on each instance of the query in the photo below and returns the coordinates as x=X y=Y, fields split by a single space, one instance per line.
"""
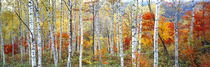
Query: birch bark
x=120 y=33
x=31 y=26
x=156 y=33
x=70 y=33
x=39 y=35
x=81 y=24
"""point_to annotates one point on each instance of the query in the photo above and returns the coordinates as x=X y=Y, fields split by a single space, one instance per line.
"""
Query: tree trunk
x=112 y=31
x=120 y=32
x=38 y=36
x=156 y=34
x=140 y=32
x=191 y=27
x=61 y=12
x=20 y=32
x=31 y=25
x=94 y=35
x=2 y=41
x=81 y=24
x=133 y=35
x=74 y=29
x=55 y=29
x=117 y=26
x=12 y=39
x=54 y=44
x=70 y=33
x=176 y=40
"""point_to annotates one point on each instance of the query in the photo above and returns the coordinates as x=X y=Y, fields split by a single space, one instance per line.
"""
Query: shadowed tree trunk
x=70 y=33
x=61 y=12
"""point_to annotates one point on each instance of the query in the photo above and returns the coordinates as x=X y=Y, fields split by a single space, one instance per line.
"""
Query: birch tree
x=61 y=12
x=117 y=27
x=81 y=24
x=74 y=29
x=176 y=20
x=54 y=50
x=20 y=30
x=112 y=28
x=156 y=33
x=140 y=32
x=191 y=26
x=2 y=44
x=70 y=33
x=2 y=41
x=31 y=23
x=39 y=35
x=133 y=34
x=55 y=29
x=120 y=33
x=12 y=39
x=94 y=31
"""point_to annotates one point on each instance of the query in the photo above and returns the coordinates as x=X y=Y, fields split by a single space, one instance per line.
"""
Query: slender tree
x=191 y=26
x=2 y=41
x=55 y=28
x=134 y=42
x=12 y=39
x=2 y=44
x=70 y=33
x=39 y=35
x=54 y=45
x=31 y=26
x=140 y=32
x=61 y=17
x=176 y=20
x=156 y=33
x=112 y=28
x=20 y=31
x=120 y=33
x=81 y=24
x=117 y=27
x=74 y=29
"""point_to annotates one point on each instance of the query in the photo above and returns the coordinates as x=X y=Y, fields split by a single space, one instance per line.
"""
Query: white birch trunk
x=112 y=30
x=31 y=26
x=54 y=46
x=12 y=39
x=176 y=40
x=70 y=34
x=38 y=35
x=81 y=24
x=176 y=20
x=20 y=32
x=140 y=31
x=95 y=30
x=156 y=33
x=74 y=29
x=133 y=34
x=191 y=27
x=78 y=36
x=2 y=41
x=61 y=12
x=117 y=26
x=120 y=32
x=55 y=29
